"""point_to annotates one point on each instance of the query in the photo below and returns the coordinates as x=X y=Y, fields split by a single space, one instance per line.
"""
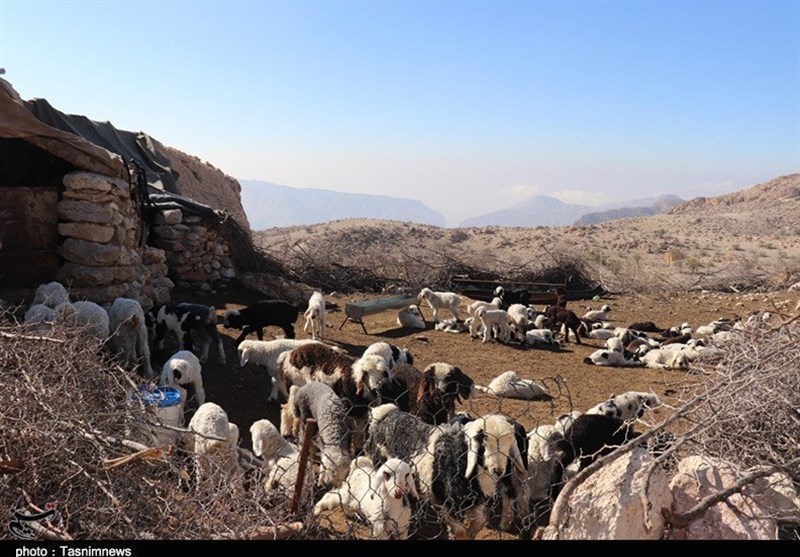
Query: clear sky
x=467 y=106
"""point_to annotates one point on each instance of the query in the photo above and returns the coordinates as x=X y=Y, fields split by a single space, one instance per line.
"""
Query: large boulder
x=749 y=515
x=608 y=505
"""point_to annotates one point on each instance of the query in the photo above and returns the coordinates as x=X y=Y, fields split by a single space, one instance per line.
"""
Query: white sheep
x=126 y=324
x=52 y=294
x=615 y=345
x=281 y=459
x=496 y=320
x=439 y=300
x=540 y=337
x=474 y=307
x=410 y=318
x=39 y=318
x=215 y=447
x=519 y=315
x=380 y=495
x=266 y=353
x=510 y=385
x=452 y=325
x=601 y=334
x=183 y=368
x=316 y=319
x=627 y=406
x=392 y=355
x=90 y=317
x=539 y=321
x=597 y=314
x=666 y=359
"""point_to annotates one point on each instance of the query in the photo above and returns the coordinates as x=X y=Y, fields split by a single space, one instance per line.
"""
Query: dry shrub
x=64 y=408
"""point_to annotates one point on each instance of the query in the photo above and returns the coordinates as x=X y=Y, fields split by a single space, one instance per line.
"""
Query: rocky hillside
x=540 y=210
x=638 y=208
x=744 y=239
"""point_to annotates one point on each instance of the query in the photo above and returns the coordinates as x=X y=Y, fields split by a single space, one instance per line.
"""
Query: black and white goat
x=264 y=313
x=206 y=335
x=165 y=319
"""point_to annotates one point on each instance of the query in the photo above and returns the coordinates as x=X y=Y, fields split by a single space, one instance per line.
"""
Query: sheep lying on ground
x=52 y=295
x=439 y=300
x=627 y=406
x=126 y=321
x=380 y=495
x=316 y=319
x=541 y=338
x=215 y=449
x=39 y=318
x=88 y=316
x=666 y=359
x=510 y=385
x=264 y=313
x=597 y=314
x=183 y=368
x=317 y=400
x=281 y=459
x=392 y=355
x=410 y=318
x=266 y=353
x=610 y=358
x=453 y=325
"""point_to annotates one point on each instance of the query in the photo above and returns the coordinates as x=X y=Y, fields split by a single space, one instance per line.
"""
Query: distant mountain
x=635 y=208
x=271 y=205
x=537 y=211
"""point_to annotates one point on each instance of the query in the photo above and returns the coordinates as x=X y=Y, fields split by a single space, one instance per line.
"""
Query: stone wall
x=196 y=251
x=100 y=225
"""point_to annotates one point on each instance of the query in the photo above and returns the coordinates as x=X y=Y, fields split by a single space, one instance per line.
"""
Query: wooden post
x=310 y=431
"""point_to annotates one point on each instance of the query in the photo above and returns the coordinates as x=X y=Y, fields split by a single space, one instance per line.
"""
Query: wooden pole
x=310 y=432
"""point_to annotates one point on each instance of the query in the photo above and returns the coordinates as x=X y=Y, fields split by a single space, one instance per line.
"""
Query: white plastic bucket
x=168 y=405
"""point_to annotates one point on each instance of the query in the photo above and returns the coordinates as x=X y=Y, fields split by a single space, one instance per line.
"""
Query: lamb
x=519 y=316
x=317 y=400
x=510 y=385
x=184 y=368
x=410 y=318
x=380 y=495
x=541 y=338
x=393 y=355
x=52 y=295
x=439 y=300
x=666 y=359
x=315 y=316
x=474 y=307
x=601 y=334
x=494 y=320
x=262 y=314
x=509 y=297
x=90 y=317
x=598 y=314
x=615 y=345
x=557 y=316
x=610 y=358
x=281 y=459
x=409 y=390
x=266 y=353
x=458 y=467
x=206 y=334
x=216 y=447
x=126 y=322
x=39 y=318
x=165 y=319
x=591 y=436
x=628 y=406
x=453 y=325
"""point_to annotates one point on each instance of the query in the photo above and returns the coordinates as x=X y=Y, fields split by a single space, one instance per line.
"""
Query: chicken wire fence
x=76 y=451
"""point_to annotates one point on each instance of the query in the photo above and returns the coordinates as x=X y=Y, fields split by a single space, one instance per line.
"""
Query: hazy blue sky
x=467 y=106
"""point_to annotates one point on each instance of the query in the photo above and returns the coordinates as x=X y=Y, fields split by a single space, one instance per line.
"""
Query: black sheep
x=262 y=314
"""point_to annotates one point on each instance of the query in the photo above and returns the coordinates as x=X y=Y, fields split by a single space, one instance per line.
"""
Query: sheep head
x=369 y=372
x=267 y=441
x=395 y=479
x=491 y=442
x=233 y=319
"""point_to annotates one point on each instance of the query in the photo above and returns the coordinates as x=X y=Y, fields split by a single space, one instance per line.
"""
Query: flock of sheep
x=389 y=436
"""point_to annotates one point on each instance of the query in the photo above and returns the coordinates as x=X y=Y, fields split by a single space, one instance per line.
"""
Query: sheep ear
x=474 y=444
x=412 y=487
x=244 y=358
x=516 y=457
x=358 y=377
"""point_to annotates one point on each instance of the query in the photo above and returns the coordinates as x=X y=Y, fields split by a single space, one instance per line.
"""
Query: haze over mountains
x=271 y=205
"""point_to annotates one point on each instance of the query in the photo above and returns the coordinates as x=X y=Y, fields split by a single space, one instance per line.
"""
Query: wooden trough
x=356 y=311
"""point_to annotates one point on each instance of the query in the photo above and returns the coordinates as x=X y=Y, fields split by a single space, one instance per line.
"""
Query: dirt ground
x=243 y=392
